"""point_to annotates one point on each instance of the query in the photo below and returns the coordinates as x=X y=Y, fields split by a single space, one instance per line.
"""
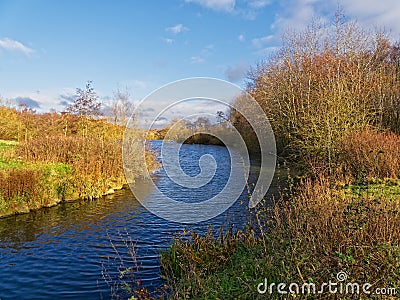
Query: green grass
x=7 y=144
x=10 y=163
x=388 y=189
x=7 y=154
x=19 y=164
x=55 y=181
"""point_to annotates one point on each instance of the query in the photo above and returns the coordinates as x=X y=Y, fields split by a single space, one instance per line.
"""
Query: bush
x=370 y=154
x=96 y=164
x=22 y=185
x=326 y=229
x=323 y=229
x=326 y=82
x=193 y=264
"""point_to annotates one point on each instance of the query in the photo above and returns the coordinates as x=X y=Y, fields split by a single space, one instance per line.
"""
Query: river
x=59 y=252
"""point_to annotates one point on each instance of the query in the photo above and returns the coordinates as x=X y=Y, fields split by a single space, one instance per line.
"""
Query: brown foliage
x=326 y=231
x=20 y=184
x=370 y=154
x=9 y=123
x=325 y=83
x=96 y=162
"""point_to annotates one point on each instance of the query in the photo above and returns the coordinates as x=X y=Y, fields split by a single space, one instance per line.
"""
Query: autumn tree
x=325 y=82
x=10 y=123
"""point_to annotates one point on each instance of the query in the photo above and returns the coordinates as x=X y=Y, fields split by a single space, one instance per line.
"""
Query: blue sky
x=49 y=48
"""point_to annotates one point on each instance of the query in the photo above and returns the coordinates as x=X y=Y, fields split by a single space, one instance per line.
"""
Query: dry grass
x=321 y=230
x=326 y=230
x=80 y=157
x=96 y=164
x=125 y=280
x=193 y=259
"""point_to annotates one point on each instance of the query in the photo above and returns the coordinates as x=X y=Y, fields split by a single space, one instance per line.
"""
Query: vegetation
x=331 y=94
x=319 y=231
x=190 y=132
x=324 y=83
x=51 y=157
x=86 y=103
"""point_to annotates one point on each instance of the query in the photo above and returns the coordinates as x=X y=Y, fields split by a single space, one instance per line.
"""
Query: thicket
x=324 y=83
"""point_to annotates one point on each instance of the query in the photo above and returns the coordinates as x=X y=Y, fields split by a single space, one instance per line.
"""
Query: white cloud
x=43 y=100
x=168 y=41
x=218 y=5
x=267 y=51
x=139 y=84
x=15 y=46
x=178 y=28
x=202 y=55
x=260 y=42
x=207 y=50
x=297 y=14
x=197 y=60
x=241 y=37
x=257 y=4
x=384 y=13
x=246 y=9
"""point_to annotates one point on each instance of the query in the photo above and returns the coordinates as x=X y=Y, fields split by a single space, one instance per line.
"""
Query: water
x=58 y=252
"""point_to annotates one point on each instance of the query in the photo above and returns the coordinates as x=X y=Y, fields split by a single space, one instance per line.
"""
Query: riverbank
x=309 y=236
x=26 y=186
x=327 y=225
x=335 y=231
x=336 y=224
x=49 y=158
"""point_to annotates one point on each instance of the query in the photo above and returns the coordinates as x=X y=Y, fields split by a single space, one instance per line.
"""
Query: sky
x=49 y=48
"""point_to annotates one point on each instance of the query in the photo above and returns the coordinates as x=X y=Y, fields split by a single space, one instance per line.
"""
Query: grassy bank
x=310 y=238
x=318 y=227
x=49 y=158
x=26 y=186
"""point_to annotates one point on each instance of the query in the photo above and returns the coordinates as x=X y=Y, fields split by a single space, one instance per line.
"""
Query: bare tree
x=86 y=103
x=325 y=82
x=122 y=107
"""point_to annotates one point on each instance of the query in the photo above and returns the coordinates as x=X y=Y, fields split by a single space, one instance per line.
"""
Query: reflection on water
x=58 y=252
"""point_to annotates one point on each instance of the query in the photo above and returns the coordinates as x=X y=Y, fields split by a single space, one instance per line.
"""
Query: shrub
x=96 y=164
x=370 y=154
x=20 y=185
x=326 y=82
x=326 y=229
x=321 y=230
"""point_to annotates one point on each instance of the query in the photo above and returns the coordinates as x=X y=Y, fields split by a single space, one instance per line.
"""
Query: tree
x=86 y=103
x=122 y=107
x=324 y=83
x=202 y=123
x=222 y=118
